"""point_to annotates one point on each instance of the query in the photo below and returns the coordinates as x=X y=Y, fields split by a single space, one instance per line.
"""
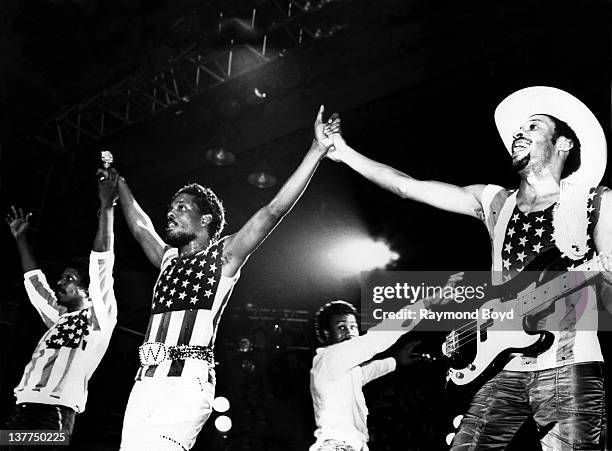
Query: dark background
x=416 y=83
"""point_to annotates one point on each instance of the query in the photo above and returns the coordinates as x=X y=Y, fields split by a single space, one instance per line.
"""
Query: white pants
x=166 y=414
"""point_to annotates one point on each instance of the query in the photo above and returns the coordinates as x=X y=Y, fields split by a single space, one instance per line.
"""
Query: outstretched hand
x=108 y=180
x=406 y=355
x=324 y=130
x=334 y=131
x=336 y=151
x=18 y=221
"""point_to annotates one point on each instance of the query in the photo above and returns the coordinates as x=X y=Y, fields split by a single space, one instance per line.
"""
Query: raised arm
x=140 y=224
x=464 y=200
x=241 y=244
x=19 y=222
x=39 y=292
x=102 y=259
x=107 y=193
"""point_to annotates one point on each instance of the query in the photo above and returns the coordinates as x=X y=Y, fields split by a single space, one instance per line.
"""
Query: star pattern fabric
x=70 y=330
x=530 y=234
x=189 y=283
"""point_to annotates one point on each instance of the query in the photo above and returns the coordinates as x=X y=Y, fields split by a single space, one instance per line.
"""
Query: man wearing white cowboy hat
x=559 y=150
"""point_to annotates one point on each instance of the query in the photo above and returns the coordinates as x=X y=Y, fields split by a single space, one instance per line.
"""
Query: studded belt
x=154 y=353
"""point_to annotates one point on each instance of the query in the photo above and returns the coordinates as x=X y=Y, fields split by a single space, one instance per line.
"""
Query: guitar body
x=494 y=345
x=480 y=351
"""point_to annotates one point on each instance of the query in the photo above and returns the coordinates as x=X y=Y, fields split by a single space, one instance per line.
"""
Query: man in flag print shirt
x=558 y=149
x=174 y=389
x=80 y=315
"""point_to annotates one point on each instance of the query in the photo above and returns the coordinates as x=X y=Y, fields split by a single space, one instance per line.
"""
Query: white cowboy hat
x=515 y=109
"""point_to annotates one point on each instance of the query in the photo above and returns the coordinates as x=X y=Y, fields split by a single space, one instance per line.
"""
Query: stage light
x=220 y=157
x=261 y=179
x=247 y=365
x=362 y=254
x=255 y=95
x=277 y=340
x=245 y=345
x=221 y=404
x=449 y=438
x=457 y=421
x=223 y=423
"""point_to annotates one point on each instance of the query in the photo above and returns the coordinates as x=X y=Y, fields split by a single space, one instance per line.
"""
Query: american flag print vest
x=188 y=301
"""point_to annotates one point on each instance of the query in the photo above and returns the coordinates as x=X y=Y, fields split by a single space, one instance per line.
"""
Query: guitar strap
x=498 y=204
x=574 y=220
x=570 y=221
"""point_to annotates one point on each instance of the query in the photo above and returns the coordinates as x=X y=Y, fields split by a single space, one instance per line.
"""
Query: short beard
x=521 y=164
x=180 y=239
x=62 y=302
x=68 y=303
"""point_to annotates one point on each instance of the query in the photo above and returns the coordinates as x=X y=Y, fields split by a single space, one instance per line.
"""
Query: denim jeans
x=33 y=416
x=567 y=404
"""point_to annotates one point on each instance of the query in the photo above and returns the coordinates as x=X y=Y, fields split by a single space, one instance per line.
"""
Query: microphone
x=107 y=160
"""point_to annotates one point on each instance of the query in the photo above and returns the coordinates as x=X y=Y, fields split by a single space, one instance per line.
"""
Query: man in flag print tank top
x=174 y=389
x=558 y=148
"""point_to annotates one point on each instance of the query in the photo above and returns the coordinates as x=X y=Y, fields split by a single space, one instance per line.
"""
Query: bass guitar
x=481 y=348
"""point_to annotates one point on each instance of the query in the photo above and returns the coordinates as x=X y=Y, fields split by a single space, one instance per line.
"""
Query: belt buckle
x=152 y=353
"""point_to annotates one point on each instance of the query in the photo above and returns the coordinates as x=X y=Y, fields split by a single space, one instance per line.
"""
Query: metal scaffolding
x=284 y=26
x=292 y=325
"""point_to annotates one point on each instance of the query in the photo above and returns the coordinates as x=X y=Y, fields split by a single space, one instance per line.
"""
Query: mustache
x=523 y=141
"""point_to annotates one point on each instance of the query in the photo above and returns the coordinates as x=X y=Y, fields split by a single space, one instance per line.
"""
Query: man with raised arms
x=174 y=388
x=80 y=315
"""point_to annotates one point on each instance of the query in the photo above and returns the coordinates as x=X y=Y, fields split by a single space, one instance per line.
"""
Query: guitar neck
x=559 y=287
